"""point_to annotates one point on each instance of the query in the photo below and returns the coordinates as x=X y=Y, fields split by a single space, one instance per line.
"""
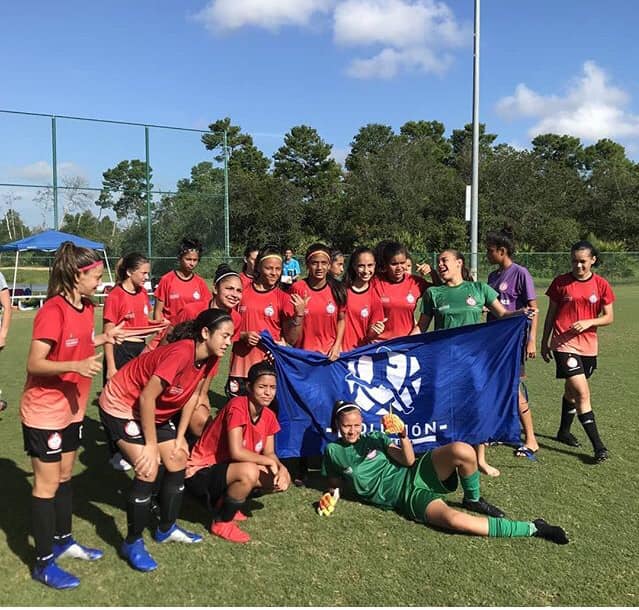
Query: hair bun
x=508 y=232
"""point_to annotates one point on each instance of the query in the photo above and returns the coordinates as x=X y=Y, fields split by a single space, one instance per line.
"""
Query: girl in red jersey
x=60 y=366
x=247 y=275
x=136 y=407
x=236 y=454
x=181 y=286
x=364 y=314
x=264 y=306
x=322 y=322
x=227 y=294
x=337 y=264
x=399 y=291
x=580 y=302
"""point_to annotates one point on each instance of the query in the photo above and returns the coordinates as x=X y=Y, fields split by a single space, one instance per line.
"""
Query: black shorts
x=209 y=483
x=130 y=430
x=49 y=445
x=123 y=353
x=236 y=386
x=569 y=365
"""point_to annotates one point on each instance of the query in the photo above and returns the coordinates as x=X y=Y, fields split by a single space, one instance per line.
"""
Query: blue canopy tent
x=50 y=241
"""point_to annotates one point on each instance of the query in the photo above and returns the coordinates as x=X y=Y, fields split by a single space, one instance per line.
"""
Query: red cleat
x=240 y=516
x=229 y=531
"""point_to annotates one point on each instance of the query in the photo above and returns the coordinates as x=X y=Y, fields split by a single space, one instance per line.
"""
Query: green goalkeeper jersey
x=375 y=477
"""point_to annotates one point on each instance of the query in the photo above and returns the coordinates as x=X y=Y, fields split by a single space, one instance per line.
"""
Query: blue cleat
x=176 y=534
x=137 y=556
x=54 y=576
x=70 y=548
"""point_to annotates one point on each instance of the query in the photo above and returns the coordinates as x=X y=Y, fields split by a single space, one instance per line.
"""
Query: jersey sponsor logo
x=54 y=442
x=196 y=295
x=385 y=299
x=132 y=429
x=593 y=298
x=72 y=341
x=174 y=296
x=330 y=308
x=410 y=297
x=269 y=311
x=259 y=446
x=470 y=301
x=503 y=286
x=364 y=312
x=384 y=380
x=572 y=362
x=175 y=390
x=371 y=454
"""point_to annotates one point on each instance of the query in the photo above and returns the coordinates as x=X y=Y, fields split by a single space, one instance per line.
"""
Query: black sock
x=43 y=526
x=171 y=499
x=63 y=511
x=137 y=509
x=590 y=426
x=157 y=485
x=228 y=509
x=568 y=411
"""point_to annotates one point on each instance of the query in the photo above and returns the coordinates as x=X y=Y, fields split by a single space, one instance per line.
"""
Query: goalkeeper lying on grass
x=388 y=475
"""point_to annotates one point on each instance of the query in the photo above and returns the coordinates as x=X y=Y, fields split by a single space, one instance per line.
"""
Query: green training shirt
x=455 y=306
x=375 y=477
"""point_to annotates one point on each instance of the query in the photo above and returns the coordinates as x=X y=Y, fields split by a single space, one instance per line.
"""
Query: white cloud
x=41 y=172
x=269 y=14
x=592 y=108
x=389 y=62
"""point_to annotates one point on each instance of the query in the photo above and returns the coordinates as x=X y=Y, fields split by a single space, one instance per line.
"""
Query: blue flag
x=449 y=385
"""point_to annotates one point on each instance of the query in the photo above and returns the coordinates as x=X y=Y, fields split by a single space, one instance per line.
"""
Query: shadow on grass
x=586 y=458
x=15 y=510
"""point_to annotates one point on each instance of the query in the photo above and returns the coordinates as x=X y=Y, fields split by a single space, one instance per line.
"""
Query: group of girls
x=153 y=397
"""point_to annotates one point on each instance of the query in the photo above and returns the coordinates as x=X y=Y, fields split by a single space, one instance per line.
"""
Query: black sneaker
x=601 y=455
x=481 y=506
x=567 y=438
x=554 y=533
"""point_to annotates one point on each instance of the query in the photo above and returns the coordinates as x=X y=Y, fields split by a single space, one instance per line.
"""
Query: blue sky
x=565 y=66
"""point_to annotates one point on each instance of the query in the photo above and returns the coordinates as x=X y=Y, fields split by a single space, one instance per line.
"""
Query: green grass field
x=362 y=556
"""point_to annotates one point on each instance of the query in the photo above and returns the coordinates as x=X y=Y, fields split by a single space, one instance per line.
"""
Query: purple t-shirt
x=514 y=285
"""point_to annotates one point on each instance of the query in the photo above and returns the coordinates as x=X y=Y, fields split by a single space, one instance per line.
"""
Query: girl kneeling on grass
x=136 y=407
x=60 y=366
x=236 y=453
x=389 y=475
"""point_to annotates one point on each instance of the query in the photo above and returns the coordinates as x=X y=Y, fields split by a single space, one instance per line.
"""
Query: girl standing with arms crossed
x=516 y=290
x=580 y=302
x=60 y=366
x=364 y=319
x=137 y=405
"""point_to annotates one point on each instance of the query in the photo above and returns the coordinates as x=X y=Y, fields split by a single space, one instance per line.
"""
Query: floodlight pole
x=227 y=237
x=474 y=202
x=147 y=167
x=54 y=166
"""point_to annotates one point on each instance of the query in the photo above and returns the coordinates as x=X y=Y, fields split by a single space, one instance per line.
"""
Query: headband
x=318 y=251
x=270 y=256
x=227 y=274
x=90 y=266
x=347 y=405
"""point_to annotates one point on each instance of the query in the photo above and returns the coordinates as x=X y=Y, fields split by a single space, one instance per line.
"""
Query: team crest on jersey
x=196 y=295
x=593 y=298
x=410 y=297
x=259 y=446
x=364 y=312
x=132 y=429
x=384 y=380
x=572 y=363
x=371 y=454
x=470 y=301
x=72 y=341
x=503 y=286
x=330 y=308
x=269 y=311
x=54 y=442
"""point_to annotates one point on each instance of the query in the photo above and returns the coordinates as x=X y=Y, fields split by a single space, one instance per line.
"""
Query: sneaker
x=54 y=576
x=119 y=463
x=567 y=438
x=137 y=556
x=229 y=531
x=176 y=534
x=601 y=455
x=481 y=506
x=70 y=548
x=554 y=533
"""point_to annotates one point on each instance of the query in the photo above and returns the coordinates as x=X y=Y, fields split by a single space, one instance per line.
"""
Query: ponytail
x=70 y=260
x=129 y=262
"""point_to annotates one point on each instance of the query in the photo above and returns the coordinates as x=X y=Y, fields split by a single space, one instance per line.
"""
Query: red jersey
x=174 y=363
x=260 y=311
x=319 y=328
x=52 y=403
x=175 y=292
x=246 y=280
x=363 y=310
x=132 y=307
x=399 y=300
x=213 y=446
x=193 y=310
x=577 y=300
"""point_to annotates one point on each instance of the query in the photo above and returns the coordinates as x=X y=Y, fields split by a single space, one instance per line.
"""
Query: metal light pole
x=147 y=169
x=474 y=202
x=227 y=239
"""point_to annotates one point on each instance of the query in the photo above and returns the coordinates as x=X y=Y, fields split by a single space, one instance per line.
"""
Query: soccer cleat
x=176 y=534
x=54 y=576
x=72 y=549
x=483 y=507
x=554 y=533
x=229 y=531
x=568 y=438
x=119 y=463
x=239 y=516
x=601 y=455
x=137 y=556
